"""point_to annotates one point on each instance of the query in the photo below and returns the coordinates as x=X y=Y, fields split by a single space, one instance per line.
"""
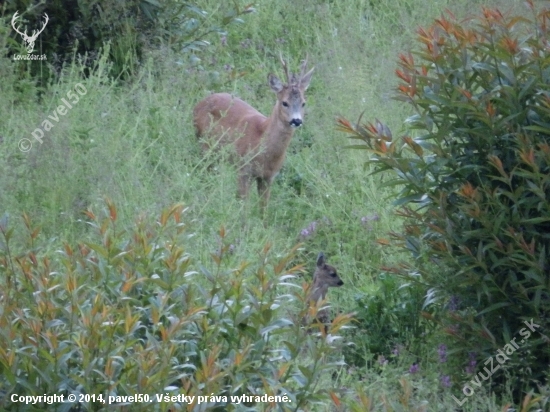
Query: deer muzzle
x=296 y=122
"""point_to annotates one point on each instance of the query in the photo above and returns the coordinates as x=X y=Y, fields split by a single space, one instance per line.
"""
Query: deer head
x=325 y=276
x=290 y=96
x=29 y=40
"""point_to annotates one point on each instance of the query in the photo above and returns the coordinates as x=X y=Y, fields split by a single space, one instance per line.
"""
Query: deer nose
x=296 y=122
x=340 y=283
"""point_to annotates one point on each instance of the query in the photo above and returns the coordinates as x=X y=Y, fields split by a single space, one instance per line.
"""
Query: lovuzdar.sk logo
x=29 y=40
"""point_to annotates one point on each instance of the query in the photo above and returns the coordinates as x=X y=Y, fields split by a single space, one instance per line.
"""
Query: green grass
x=134 y=143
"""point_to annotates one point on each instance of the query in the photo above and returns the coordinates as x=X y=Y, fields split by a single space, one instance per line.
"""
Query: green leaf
x=494 y=307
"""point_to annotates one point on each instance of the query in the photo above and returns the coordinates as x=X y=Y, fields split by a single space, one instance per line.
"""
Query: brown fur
x=325 y=276
x=260 y=142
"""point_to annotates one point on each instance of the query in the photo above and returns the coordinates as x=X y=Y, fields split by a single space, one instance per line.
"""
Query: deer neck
x=318 y=292
x=277 y=135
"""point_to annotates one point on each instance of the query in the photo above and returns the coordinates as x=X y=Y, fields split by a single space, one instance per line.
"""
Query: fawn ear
x=320 y=259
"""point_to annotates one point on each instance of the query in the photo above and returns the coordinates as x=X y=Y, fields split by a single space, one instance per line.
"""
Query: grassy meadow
x=132 y=142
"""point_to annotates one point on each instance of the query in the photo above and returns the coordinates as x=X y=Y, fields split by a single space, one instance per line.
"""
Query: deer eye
x=303 y=104
x=333 y=274
x=285 y=104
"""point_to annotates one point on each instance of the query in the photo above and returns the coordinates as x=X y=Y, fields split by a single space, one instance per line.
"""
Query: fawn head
x=325 y=276
x=290 y=96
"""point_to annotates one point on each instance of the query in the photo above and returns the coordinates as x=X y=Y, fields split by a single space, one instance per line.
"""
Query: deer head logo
x=29 y=40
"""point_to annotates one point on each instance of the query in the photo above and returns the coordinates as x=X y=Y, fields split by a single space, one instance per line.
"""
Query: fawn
x=325 y=276
x=260 y=142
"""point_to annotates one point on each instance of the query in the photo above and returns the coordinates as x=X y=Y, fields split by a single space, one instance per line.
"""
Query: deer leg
x=244 y=185
x=263 y=192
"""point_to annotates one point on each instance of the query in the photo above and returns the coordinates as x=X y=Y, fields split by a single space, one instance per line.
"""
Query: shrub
x=387 y=319
x=475 y=181
x=130 y=312
x=131 y=26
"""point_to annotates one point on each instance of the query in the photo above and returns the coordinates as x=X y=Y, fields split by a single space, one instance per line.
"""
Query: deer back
x=231 y=120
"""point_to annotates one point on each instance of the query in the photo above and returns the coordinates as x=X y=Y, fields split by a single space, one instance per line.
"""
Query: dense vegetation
x=476 y=183
x=128 y=265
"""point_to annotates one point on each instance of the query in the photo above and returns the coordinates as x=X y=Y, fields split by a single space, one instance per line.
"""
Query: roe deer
x=325 y=276
x=260 y=141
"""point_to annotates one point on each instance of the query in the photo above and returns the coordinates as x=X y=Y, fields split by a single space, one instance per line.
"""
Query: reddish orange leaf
x=490 y=109
x=528 y=157
x=335 y=399
x=68 y=249
x=403 y=76
x=466 y=93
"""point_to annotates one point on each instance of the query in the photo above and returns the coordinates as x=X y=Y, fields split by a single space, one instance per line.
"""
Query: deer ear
x=304 y=81
x=274 y=82
x=320 y=259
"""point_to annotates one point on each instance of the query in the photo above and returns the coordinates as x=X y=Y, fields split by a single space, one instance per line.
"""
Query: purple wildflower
x=446 y=381
x=396 y=350
x=365 y=220
x=370 y=218
x=308 y=231
x=382 y=360
x=414 y=368
x=471 y=368
x=246 y=43
x=442 y=352
x=453 y=303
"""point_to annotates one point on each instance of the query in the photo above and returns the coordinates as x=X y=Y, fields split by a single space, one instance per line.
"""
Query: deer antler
x=285 y=66
x=304 y=66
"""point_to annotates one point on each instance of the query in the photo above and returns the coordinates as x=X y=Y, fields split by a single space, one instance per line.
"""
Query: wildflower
x=414 y=368
x=446 y=381
x=246 y=43
x=453 y=303
x=369 y=218
x=396 y=350
x=382 y=360
x=442 y=352
x=308 y=231
x=471 y=368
